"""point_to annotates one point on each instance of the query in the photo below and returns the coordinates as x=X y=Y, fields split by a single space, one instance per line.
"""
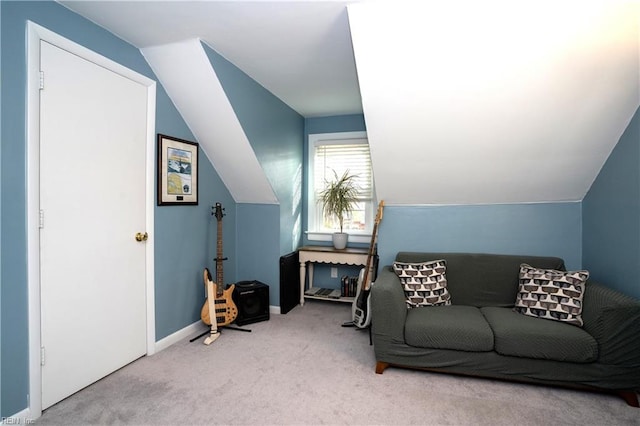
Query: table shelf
x=343 y=299
x=325 y=254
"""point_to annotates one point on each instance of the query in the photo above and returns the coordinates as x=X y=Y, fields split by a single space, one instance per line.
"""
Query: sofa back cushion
x=482 y=279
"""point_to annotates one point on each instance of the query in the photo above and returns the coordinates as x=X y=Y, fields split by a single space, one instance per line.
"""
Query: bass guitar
x=223 y=308
x=360 y=308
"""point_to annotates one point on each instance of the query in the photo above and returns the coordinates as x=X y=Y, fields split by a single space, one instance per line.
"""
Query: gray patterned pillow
x=424 y=284
x=551 y=294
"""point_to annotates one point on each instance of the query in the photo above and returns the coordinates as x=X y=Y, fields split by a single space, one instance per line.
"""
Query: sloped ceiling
x=464 y=102
x=298 y=50
x=494 y=102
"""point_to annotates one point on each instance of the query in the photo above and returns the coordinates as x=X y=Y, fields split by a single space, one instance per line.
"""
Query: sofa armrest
x=613 y=319
x=388 y=307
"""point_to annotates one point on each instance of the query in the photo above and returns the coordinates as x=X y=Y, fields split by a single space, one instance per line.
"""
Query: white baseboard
x=179 y=335
x=192 y=329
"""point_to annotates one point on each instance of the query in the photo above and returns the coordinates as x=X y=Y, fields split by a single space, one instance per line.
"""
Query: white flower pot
x=340 y=240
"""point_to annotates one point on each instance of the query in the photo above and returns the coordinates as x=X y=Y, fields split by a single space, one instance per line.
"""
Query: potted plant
x=338 y=200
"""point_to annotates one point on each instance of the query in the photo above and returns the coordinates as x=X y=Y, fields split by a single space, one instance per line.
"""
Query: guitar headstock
x=218 y=211
x=380 y=212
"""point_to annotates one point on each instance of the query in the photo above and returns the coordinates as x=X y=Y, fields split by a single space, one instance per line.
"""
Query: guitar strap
x=211 y=300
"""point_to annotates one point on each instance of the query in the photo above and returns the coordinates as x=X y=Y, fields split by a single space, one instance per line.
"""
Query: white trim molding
x=191 y=331
x=274 y=310
x=314 y=139
x=179 y=335
x=324 y=236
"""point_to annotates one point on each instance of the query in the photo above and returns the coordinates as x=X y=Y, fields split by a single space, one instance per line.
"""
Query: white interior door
x=93 y=125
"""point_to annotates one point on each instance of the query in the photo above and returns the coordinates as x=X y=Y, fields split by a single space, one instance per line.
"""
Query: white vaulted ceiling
x=508 y=102
x=298 y=50
x=464 y=102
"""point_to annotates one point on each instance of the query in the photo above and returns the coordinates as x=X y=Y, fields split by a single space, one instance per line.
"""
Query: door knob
x=141 y=237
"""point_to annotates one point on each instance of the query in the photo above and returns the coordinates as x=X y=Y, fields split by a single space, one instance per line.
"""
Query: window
x=339 y=152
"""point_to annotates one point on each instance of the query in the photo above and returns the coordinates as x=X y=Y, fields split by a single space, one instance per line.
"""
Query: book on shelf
x=349 y=286
x=323 y=292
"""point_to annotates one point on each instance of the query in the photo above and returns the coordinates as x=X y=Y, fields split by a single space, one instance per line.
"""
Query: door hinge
x=42 y=355
x=41 y=219
x=41 y=80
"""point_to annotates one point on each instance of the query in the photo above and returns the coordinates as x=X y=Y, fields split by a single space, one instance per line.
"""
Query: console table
x=325 y=254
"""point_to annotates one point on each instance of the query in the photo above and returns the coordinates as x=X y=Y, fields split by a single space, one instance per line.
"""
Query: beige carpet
x=304 y=368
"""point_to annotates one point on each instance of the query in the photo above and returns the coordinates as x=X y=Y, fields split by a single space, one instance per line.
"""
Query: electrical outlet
x=334 y=272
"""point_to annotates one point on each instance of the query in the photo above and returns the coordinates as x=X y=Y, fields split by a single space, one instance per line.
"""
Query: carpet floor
x=304 y=368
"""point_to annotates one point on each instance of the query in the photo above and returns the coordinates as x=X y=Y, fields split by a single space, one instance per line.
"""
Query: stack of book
x=349 y=286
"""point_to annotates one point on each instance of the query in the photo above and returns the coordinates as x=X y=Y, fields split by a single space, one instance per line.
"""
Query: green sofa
x=479 y=334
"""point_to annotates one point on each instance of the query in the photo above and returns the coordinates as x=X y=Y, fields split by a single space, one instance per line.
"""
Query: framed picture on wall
x=177 y=171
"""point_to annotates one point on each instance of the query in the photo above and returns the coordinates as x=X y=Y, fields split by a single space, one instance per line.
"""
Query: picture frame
x=177 y=171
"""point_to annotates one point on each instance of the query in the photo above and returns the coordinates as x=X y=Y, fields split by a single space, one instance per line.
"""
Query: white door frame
x=35 y=33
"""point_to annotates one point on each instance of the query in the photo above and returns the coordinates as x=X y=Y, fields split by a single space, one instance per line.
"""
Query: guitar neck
x=374 y=237
x=372 y=247
x=219 y=259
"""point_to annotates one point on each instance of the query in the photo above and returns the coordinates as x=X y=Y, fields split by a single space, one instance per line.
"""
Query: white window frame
x=313 y=233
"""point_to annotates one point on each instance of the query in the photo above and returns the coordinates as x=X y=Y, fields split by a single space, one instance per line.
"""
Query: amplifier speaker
x=252 y=300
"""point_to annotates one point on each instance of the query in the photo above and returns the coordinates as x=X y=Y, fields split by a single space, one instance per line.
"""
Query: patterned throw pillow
x=424 y=284
x=550 y=294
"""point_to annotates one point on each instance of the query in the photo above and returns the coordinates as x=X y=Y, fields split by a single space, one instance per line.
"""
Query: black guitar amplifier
x=252 y=300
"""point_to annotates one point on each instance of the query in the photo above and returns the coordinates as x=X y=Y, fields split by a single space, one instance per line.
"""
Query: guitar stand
x=220 y=328
x=226 y=327
x=370 y=337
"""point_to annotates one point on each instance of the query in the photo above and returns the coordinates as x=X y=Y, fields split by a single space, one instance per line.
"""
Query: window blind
x=354 y=157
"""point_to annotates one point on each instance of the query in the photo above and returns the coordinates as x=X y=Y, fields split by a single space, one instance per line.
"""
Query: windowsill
x=327 y=236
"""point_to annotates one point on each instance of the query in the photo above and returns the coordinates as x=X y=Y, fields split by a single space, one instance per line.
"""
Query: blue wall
x=186 y=243
x=551 y=229
x=611 y=212
x=275 y=132
x=259 y=259
x=182 y=234
x=532 y=229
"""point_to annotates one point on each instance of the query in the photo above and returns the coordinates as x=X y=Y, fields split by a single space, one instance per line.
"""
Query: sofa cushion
x=529 y=337
x=448 y=327
x=482 y=279
x=424 y=284
x=551 y=294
